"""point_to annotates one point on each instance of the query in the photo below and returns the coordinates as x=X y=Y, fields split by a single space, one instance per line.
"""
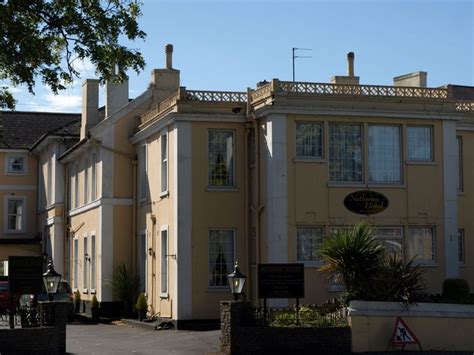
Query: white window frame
x=86 y=180
x=76 y=186
x=234 y=175
x=420 y=161
x=93 y=176
x=164 y=255
x=143 y=180
x=23 y=215
x=310 y=263
x=76 y=263
x=389 y=238
x=362 y=154
x=85 y=265
x=9 y=171
x=433 y=241
x=93 y=262
x=321 y=143
x=400 y=177
x=164 y=145
x=226 y=286
x=49 y=186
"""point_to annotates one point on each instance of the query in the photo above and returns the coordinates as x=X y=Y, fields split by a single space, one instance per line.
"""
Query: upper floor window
x=164 y=162
x=93 y=177
x=420 y=143
x=86 y=180
x=221 y=158
x=16 y=214
x=142 y=170
x=309 y=240
x=460 y=164
x=16 y=164
x=309 y=142
x=345 y=153
x=384 y=154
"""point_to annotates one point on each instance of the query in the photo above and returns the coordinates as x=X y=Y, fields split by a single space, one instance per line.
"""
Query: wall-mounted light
x=87 y=257
x=151 y=252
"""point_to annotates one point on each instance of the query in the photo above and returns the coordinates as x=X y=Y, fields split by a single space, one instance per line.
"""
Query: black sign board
x=366 y=202
x=25 y=274
x=280 y=280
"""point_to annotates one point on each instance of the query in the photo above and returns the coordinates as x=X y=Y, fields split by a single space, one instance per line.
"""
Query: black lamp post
x=236 y=281
x=51 y=280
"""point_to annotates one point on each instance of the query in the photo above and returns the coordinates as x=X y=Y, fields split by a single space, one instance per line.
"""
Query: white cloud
x=85 y=67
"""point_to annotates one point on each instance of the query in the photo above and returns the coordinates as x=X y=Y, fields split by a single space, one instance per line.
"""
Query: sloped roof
x=20 y=130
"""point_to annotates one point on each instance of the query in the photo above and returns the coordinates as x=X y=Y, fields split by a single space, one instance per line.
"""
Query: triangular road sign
x=402 y=335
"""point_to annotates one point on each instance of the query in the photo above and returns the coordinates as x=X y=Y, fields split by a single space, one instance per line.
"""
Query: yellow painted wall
x=313 y=201
x=466 y=206
x=214 y=209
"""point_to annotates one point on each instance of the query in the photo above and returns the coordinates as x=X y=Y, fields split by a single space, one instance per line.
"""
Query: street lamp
x=51 y=280
x=236 y=281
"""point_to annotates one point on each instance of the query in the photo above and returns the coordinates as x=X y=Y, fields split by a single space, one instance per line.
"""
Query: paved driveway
x=124 y=339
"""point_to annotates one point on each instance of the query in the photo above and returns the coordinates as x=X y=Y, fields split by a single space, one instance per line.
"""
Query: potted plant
x=141 y=306
x=77 y=301
x=95 y=309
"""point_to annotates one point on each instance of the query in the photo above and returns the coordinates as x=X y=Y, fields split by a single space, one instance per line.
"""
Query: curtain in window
x=15 y=212
x=308 y=140
x=345 y=153
x=221 y=256
x=308 y=243
x=420 y=145
x=221 y=158
x=420 y=244
x=384 y=154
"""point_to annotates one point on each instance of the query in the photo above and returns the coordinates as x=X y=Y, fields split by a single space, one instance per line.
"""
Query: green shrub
x=94 y=302
x=77 y=296
x=456 y=290
x=141 y=302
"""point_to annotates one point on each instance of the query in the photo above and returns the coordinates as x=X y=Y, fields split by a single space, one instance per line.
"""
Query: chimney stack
x=90 y=105
x=350 y=78
x=169 y=56
x=350 y=64
x=416 y=79
x=116 y=96
x=165 y=81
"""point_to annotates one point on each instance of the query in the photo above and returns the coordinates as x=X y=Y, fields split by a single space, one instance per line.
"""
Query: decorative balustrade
x=158 y=109
x=361 y=90
x=215 y=96
x=262 y=91
x=466 y=106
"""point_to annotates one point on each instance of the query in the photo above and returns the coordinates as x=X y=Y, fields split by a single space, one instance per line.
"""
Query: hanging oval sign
x=366 y=202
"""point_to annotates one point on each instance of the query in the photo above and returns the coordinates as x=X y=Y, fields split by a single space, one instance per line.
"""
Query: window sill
x=218 y=289
x=93 y=291
x=164 y=194
x=310 y=160
x=390 y=185
x=222 y=189
x=16 y=174
x=461 y=193
x=346 y=184
x=164 y=295
x=312 y=264
x=85 y=290
x=421 y=162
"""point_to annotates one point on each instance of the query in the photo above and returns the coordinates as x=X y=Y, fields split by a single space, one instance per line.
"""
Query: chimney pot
x=350 y=64
x=169 y=56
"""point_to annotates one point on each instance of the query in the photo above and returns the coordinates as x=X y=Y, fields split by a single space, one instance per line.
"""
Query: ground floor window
x=164 y=262
x=420 y=244
x=221 y=256
x=75 y=261
x=308 y=240
x=391 y=239
x=461 y=247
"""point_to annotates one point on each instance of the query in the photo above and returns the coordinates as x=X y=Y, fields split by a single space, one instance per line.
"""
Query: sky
x=231 y=45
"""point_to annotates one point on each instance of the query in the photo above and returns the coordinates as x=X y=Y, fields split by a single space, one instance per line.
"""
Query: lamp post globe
x=51 y=280
x=236 y=281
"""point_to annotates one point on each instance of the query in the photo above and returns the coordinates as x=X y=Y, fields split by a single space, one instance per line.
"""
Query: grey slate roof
x=20 y=130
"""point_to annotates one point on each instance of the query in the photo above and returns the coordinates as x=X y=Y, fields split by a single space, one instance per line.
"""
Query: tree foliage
x=43 y=38
x=368 y=271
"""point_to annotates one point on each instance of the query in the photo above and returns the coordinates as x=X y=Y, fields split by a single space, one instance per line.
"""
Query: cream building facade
x=179 y=184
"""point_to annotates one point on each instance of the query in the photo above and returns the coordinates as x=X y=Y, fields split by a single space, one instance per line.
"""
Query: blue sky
x=231 y=45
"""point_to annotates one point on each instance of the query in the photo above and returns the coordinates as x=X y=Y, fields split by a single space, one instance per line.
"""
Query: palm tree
x=358 y=257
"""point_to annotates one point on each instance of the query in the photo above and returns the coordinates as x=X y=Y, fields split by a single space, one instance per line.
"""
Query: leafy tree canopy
x=41 y=39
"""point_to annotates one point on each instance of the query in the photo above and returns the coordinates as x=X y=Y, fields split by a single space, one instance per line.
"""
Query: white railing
x=215 y=96
x=467 y=106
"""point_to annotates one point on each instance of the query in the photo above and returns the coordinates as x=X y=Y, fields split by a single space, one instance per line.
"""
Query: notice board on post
x=281 y=280
x=25 y=274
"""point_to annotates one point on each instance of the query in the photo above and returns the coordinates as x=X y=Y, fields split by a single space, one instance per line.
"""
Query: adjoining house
x=24 y=196
x=179 y=184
